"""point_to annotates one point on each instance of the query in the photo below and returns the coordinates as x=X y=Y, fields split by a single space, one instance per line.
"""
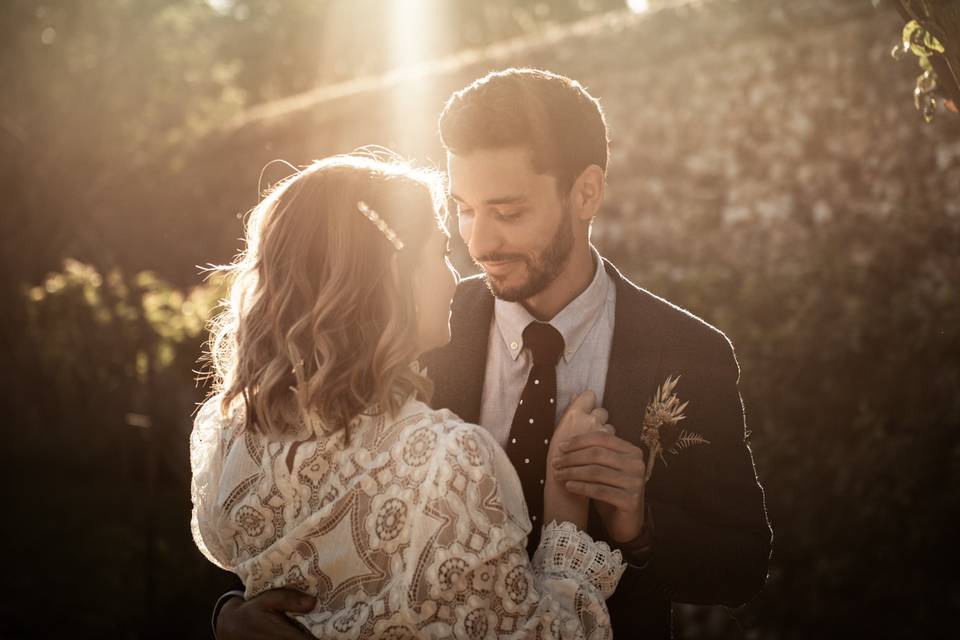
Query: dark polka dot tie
x=535 y=419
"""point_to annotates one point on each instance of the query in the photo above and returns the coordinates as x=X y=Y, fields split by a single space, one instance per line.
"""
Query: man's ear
x=587 y=192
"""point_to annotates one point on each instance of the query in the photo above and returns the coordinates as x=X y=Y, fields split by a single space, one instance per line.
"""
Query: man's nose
x=484 y=237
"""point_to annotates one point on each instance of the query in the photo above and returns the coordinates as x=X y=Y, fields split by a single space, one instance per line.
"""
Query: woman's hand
x=582 y=416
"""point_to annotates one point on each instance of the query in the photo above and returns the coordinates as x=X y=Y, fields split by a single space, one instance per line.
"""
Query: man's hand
x=611 y=471
x=262 y=617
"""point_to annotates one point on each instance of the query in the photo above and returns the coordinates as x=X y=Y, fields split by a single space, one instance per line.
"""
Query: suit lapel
x=635 y=354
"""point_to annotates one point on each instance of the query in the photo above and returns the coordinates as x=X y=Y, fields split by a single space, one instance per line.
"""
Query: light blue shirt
x=586 y=325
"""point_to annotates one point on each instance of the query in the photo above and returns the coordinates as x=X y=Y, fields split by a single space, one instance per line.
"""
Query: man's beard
x=542 y=269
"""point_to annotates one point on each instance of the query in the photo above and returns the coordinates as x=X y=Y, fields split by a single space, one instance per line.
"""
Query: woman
x=317 y=465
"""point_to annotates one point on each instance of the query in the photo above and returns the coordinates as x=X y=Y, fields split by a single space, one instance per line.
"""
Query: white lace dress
x=416 y=529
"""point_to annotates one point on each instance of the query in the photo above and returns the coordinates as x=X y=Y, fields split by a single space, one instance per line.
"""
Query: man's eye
x=464 y=212
x=509 y=215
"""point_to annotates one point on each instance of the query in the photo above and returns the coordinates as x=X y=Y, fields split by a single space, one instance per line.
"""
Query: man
x=527 y=155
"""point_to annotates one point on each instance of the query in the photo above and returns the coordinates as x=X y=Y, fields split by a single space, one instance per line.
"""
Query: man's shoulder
x=470 y=311
x=471 y=288
x=674 y=325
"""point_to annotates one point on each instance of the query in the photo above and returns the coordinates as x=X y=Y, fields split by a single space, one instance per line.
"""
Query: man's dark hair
x=552 y=115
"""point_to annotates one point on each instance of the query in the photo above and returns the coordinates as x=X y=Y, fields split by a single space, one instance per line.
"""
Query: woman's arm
x=206 y=466
x=581 y=416
x=470 y=571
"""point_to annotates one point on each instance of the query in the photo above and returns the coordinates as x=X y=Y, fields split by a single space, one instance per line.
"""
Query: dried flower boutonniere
x=661 y=425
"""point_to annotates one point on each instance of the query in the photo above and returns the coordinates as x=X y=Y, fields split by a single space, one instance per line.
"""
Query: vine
x=923 y=44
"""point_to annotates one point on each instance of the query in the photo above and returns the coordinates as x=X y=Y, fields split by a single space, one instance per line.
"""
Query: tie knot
x=544 y=342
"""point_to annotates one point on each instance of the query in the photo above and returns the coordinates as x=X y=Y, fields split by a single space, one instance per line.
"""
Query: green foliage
x=112 y=358
x=146 y=322
x=924 y=45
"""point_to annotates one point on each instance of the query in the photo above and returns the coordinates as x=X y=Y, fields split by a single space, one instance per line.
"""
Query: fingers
x=585 y=402
x=283 y=600
x=613 y=496
x=577 y=422
x=600 y=438
x=599 y=474
x=601 y=415
x=633 y=466
x=263 y=617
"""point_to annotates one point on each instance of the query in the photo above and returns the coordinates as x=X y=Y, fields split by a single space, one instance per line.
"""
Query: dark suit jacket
x=711 y=538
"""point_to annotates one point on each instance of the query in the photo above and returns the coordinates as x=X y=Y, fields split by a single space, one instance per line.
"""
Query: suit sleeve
x=711 y=536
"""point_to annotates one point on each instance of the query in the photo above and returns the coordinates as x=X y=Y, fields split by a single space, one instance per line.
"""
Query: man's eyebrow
x=513 y=199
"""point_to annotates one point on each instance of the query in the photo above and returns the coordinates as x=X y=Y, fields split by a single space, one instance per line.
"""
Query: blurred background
x=770 y=173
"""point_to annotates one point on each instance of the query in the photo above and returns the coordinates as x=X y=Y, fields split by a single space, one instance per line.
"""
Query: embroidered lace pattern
x=416 y=529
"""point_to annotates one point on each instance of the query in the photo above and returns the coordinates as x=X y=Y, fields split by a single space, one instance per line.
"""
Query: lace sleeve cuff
x=567 y=551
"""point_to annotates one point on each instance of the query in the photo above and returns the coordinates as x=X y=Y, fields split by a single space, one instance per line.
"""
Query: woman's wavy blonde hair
x=316 y=323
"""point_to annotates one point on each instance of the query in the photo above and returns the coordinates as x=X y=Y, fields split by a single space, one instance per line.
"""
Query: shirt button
x=546 y=441
x=513 y=440
x=531 y=420
x=526 y=461
x=514 y=346
x=541 y=480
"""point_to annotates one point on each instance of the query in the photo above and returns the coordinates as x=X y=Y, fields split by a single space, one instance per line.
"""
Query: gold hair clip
x=381 y=224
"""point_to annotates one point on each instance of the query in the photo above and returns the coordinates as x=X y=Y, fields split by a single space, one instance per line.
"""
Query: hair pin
x=381 y=224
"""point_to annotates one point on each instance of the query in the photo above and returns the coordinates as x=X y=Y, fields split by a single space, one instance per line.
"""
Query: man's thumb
x=287 y=600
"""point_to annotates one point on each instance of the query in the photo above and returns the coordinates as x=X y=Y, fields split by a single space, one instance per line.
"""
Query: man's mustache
x=499 y=257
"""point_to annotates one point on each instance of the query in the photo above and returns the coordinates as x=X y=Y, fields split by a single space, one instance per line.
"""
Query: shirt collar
x=573 y=322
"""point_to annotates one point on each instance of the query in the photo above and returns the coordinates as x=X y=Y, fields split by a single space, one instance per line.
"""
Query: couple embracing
x=542 y=451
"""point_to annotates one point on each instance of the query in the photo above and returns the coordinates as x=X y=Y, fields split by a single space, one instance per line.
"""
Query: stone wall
x=773 y=113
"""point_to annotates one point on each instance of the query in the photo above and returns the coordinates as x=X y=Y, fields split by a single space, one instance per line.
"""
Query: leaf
x=664 y=392
x=686 y=440
x=931 y=42
x=919 y=40
x=907 y=34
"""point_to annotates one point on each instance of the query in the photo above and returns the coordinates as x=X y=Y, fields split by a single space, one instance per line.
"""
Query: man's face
x=515 y=223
